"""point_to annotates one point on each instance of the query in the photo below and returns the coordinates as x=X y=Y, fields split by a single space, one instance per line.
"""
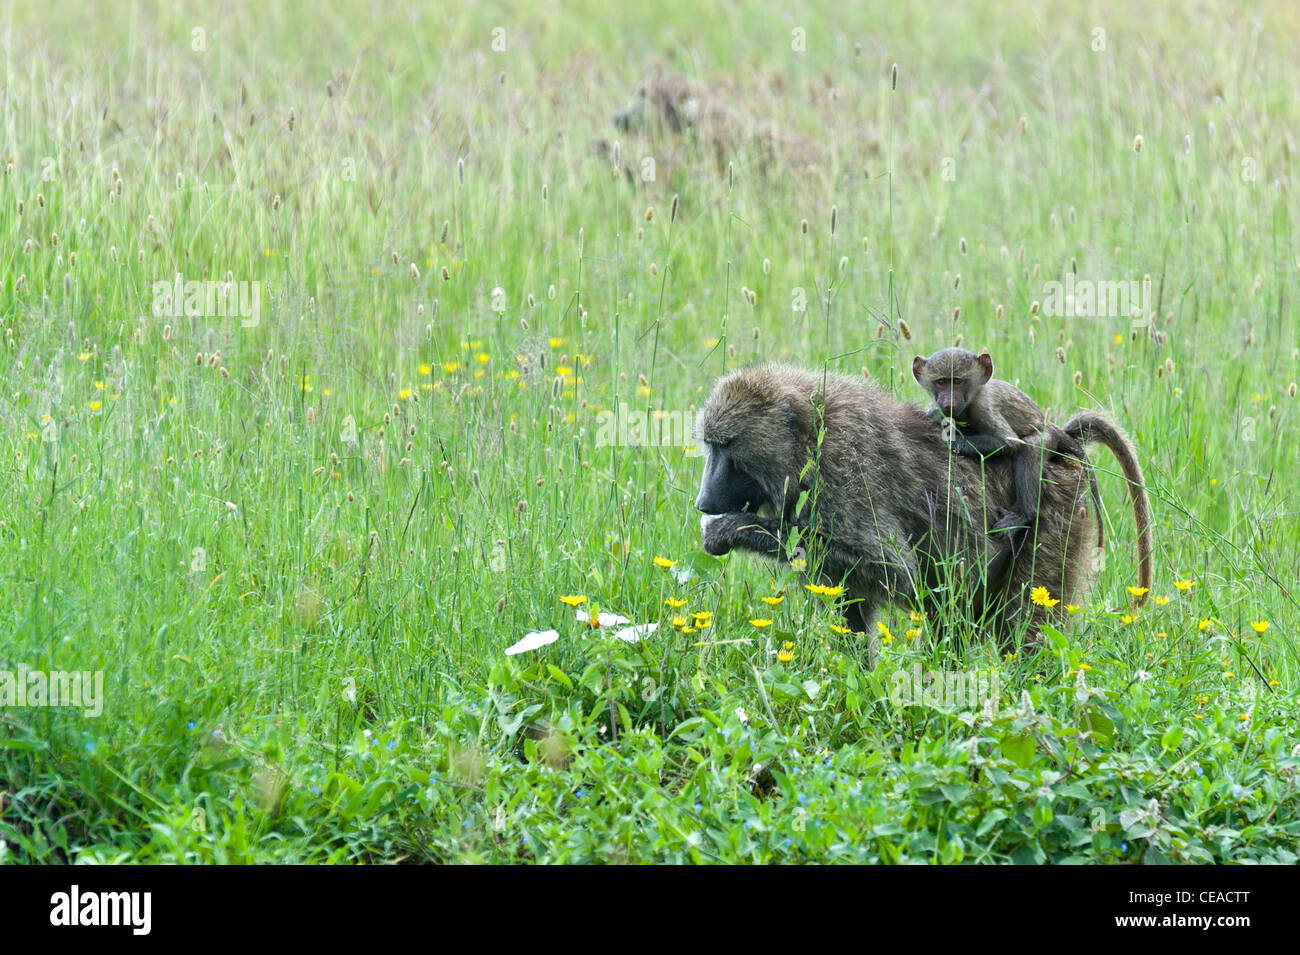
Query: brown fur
x=668 y=106
x=1088 y=426
x=890 y=512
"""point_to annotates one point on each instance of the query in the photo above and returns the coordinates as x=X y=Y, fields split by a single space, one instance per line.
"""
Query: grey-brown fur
x=989 y=415
x=672 y=105
x=891 y=512
x=1089 y=426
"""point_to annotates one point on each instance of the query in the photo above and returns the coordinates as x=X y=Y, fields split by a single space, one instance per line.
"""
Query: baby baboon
x=988 y=416
x=984 y=415
x=877 y=503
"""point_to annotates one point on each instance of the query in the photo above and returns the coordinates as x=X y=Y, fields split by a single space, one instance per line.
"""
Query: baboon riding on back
x=879 y=503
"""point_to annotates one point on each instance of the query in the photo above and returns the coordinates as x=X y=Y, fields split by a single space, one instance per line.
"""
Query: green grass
x=302 y=636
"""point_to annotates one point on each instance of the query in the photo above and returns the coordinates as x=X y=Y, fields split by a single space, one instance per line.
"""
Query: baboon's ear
x=986 y=365
x=918 y=368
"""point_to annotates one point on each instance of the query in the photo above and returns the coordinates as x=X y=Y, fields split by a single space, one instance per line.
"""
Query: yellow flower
x=1245 y=717
x=84 y=356
x=1203 y=699
x=798 y=563
x=772 y=601
x=1119 y=339
x=912 y=634
x=1274 y=683
x=1228 y=675
x=1184 y=585
x=789 y=645
x=405 y=394
x=557 y=342
x=1085 y=666
x=1128 y=618
x=99 y=385
x=664 y=562
x=1197 y=716
x=885 y=636
x=483 y=358
x=1010 y=656
x=1137 y=591
x=426 y=369
x=840 y=630
x=675 y=603
x=917 y=617
x=573 y=599
x=1259 y=626
x=1073 y=608
x=450 y=366
x=1161 y=601
x=1042 y=597
x=1162 y=634
x=823 y=591
x=761 y=623
x=1204 y=625
x=680 y=622
x=785 y=656
x=94 y=406
x=703 y=615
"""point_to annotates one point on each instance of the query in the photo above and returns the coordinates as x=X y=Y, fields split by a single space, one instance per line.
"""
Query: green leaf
x=1019 y=749
x=559 y=675
x=1173 y=736
x=1055 y=638
x=1102 y=727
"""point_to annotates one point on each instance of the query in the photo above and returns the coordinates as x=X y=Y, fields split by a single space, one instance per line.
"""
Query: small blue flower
x=826 y=761
x=699 y=806
x=1199 y=771
x=391 y=744
x=802 y=799
x=190 y=725
x=90 y=746
x=1123 y=847
x=788 y=843
x=525 y=840
x=581 y=793
x=315 y=790
x=1236 y=792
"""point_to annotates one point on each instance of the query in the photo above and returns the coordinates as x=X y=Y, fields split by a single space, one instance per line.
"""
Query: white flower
x=602 y=618
x=1143 y=676
x=633 y=634
x=740 y=714
x=533 y=641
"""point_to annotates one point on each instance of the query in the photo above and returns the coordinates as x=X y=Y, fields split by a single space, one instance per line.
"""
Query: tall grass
x=298 y=550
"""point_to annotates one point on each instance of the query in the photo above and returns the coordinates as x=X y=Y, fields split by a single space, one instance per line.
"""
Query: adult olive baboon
x=878 y=503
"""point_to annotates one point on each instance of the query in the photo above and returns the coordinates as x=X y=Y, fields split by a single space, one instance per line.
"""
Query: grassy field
x=297 y=548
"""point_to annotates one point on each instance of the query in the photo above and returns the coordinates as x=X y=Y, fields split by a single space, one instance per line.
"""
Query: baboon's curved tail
x=1089 y=426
